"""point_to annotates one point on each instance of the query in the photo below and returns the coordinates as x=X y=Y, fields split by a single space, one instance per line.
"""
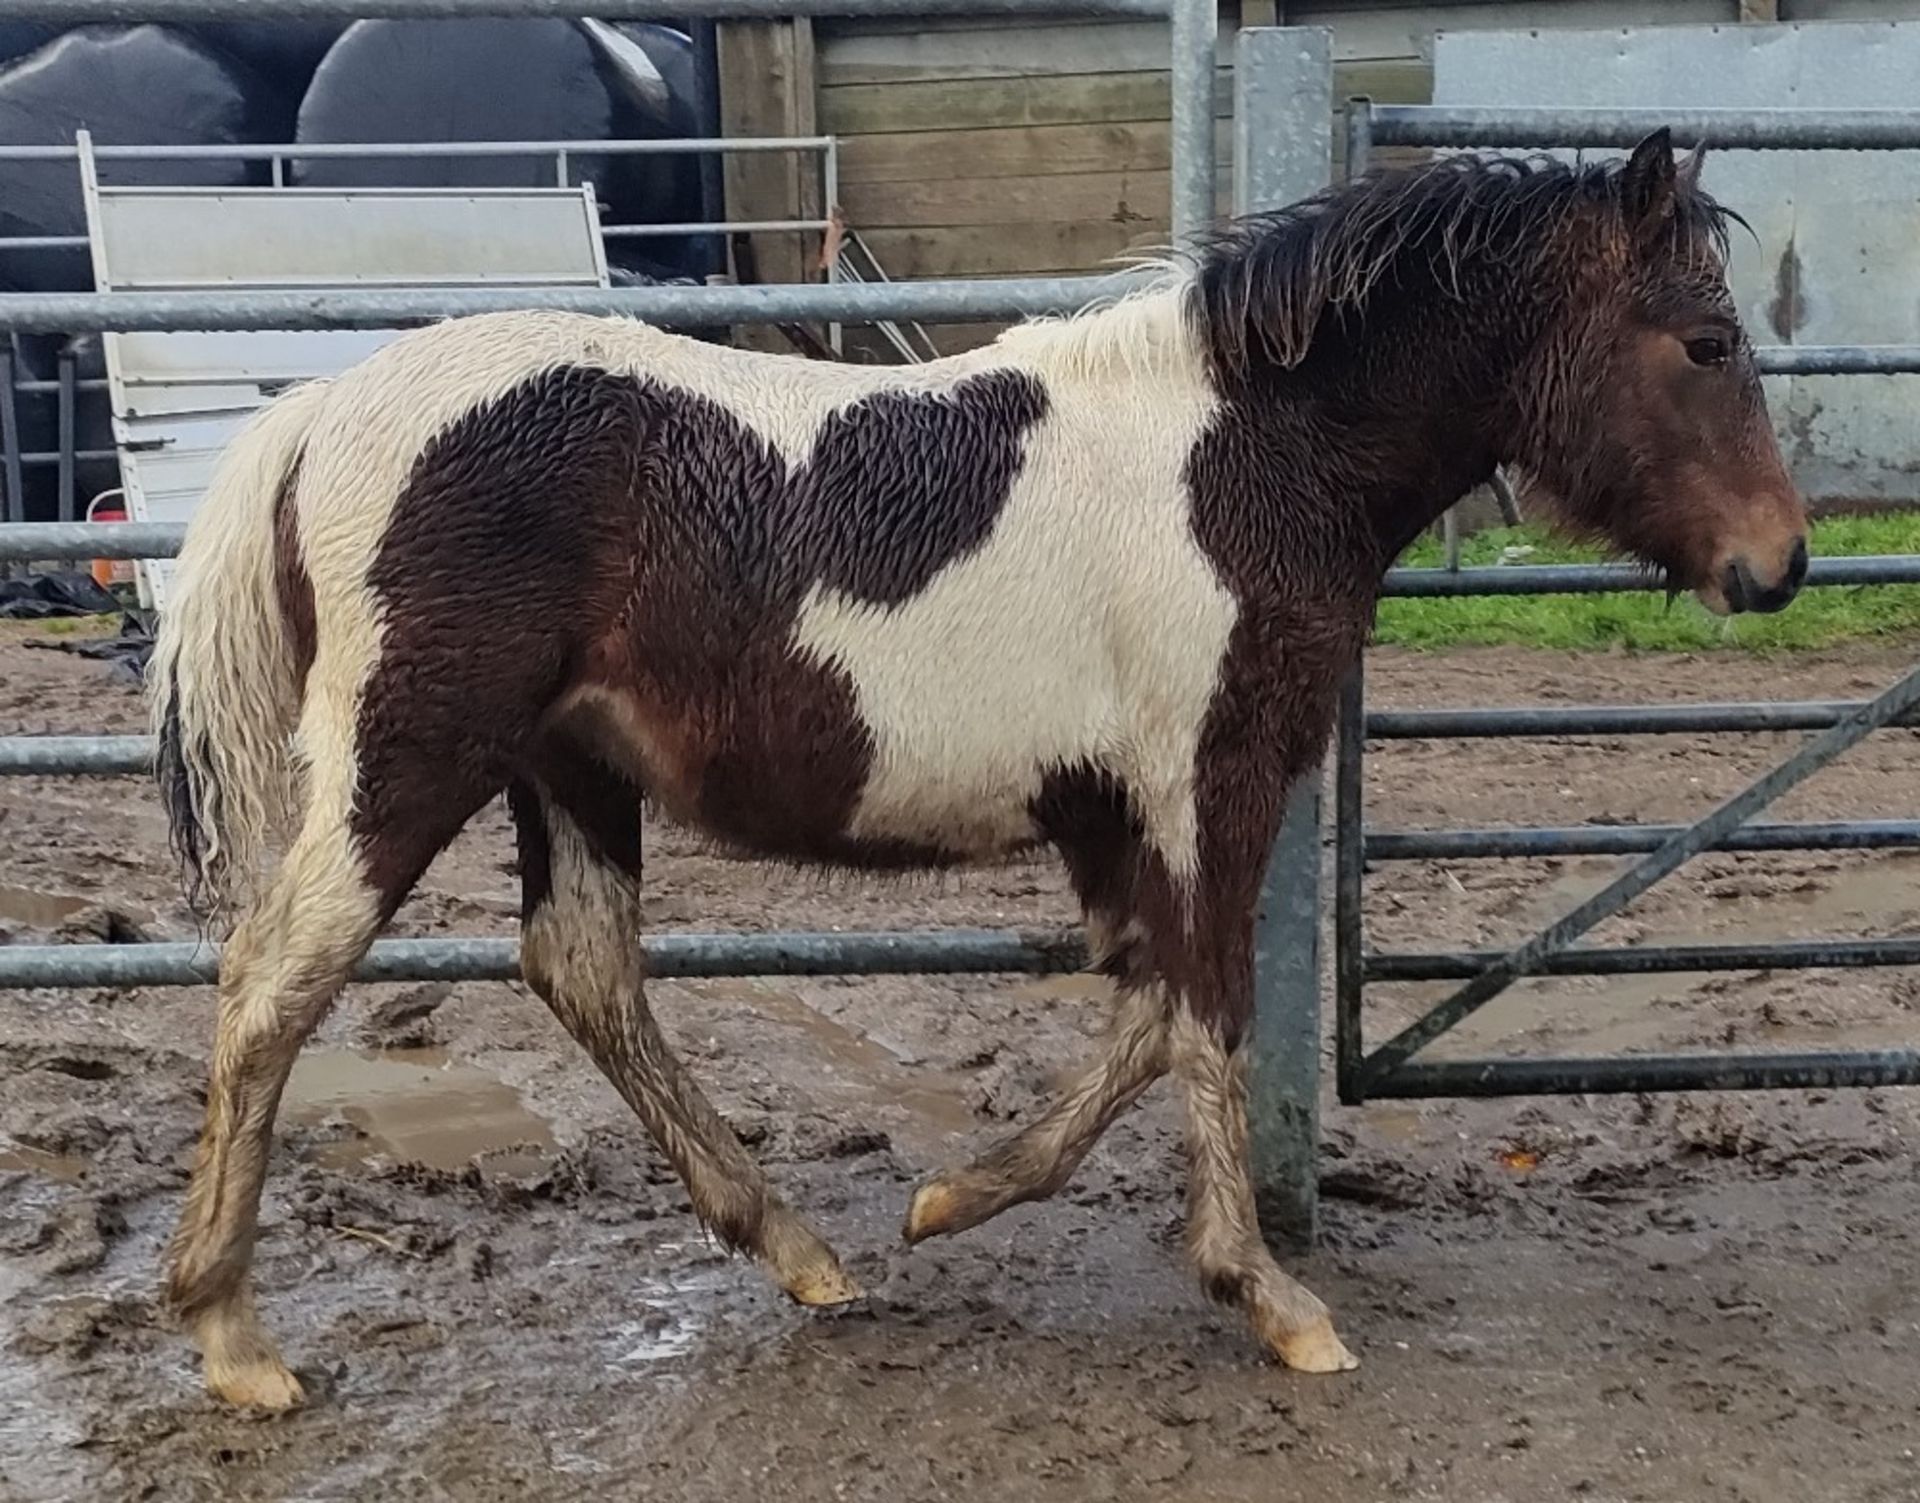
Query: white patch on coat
x=1088 y=629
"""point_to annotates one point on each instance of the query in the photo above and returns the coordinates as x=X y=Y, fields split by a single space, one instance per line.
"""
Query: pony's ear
x=1690 y=169
x=1647 y=184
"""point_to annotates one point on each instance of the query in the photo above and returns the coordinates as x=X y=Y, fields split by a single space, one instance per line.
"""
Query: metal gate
x=1392 y=1069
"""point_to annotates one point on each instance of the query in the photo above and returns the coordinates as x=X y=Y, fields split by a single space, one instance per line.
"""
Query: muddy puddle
x=854 y=1074
x=17 y=1158
x=671 y=1313
x=414 y=1106
x=38 y=910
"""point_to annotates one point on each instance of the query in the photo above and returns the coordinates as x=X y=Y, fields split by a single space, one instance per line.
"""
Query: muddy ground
x=494 y=1290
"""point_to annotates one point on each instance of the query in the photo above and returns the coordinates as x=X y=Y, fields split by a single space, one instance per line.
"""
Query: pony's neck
x=1410 y=397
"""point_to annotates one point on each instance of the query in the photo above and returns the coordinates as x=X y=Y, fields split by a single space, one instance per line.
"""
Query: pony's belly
x=805 y=778
x=940 y=808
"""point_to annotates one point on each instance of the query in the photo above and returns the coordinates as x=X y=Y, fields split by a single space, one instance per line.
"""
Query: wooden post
x=1759 y=10
x=767 y=88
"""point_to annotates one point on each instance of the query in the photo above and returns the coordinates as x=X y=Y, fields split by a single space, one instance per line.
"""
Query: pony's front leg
x=1223 y=1231
x=1038 y=1160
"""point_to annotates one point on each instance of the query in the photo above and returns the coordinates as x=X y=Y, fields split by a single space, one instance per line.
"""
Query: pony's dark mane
x=1264 y=281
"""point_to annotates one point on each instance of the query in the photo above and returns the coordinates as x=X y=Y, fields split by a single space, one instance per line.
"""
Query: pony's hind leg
x=281 y=969
x=356 y=857
x=1223 y=1230
x=579 y=832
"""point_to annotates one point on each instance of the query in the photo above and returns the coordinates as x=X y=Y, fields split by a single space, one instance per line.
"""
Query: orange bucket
x=108 y=572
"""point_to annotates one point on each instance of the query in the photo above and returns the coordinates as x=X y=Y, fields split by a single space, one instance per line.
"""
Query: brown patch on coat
x=1304 y=614
x=602 y=804
x=292 y=584
x=619 y=561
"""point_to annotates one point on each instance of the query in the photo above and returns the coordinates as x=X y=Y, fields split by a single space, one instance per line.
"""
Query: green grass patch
x=1644 y=621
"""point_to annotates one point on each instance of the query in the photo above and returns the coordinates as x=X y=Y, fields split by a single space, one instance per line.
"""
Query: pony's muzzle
x=1746 y=590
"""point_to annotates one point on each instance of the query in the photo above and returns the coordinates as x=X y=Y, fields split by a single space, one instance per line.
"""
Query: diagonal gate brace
x=1527 y=959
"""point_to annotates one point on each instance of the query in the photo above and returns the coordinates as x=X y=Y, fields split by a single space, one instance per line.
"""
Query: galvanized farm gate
x=1391 y=1069
x=1282 y=82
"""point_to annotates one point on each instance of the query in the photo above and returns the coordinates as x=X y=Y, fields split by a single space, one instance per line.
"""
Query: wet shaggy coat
x=1093 y=586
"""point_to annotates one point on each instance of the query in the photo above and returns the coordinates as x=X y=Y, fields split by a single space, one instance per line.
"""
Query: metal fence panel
x=1283 y=151
x=1392 y=1069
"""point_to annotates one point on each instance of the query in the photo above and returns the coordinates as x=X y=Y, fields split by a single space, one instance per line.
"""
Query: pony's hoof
x=824 y=1288
x=931 y=1212
x=256 y=1385
x=1316 y=1349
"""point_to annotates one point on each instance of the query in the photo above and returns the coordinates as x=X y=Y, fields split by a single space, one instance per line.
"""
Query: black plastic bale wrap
x=285 y=53
x=497 y=80
x=657 y=64
x=18 y=38
x=144 y=85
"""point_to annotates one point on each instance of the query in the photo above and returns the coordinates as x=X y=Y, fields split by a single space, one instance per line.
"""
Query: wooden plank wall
x=982 y=147
x=973 y=149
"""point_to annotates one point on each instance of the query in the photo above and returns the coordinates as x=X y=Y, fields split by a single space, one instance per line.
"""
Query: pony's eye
x=1709 y=349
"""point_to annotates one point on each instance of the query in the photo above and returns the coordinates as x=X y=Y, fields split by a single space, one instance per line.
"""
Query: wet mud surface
x=493 y=1289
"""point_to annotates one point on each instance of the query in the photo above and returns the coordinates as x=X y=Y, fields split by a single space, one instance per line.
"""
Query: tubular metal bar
x=1349 y=788
x=68 y=366
x=1349 y=877
x=1600 y=579
x=15 y=509
x=380 y=151
x=168 y=12
x=1726 y=130
x=845 y=302
x=1283 y=1099
x=44 y=756
x=676 y=956
x=1652 y=1072
x=125 y=539
x=33 y=541
x=1818 y=751
x=49 y=388
x=702 y=227
x=1652 y=960
x=1630 y=840
x=42 y=458
x=1611 y=720
x=1837 y=359
x=1195 y=30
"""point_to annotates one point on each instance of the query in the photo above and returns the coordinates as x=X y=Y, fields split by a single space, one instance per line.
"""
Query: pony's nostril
x=1797 y=565
x=1736 y=584
x=1745 y=593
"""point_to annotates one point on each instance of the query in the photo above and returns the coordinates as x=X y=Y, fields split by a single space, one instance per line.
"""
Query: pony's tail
x=223 y=691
